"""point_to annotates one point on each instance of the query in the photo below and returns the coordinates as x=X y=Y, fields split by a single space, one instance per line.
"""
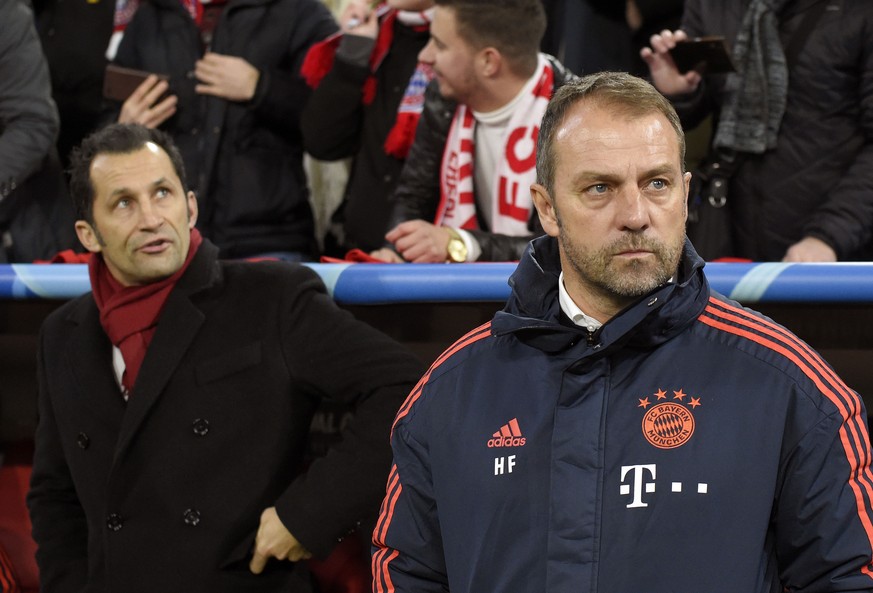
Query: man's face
x=618 y=205
x=142 y=217
x=450 y=56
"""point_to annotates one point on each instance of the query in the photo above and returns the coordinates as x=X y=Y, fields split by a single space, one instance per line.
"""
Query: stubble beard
x=624 y=279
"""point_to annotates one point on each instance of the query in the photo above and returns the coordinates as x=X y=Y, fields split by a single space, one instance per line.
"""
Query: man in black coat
x=76 y=39
x=232 y=104
x=176 y=398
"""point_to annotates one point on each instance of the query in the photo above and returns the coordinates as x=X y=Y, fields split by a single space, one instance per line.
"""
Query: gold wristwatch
x=456 y=249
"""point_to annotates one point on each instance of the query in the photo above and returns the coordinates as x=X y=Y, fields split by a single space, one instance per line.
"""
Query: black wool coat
x=243 y=159
x=164 y=493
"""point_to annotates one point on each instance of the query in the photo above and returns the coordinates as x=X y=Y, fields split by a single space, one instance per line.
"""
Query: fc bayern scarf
x=511 y=203
x=129 y=314
x=124 y=11
x=319 y=61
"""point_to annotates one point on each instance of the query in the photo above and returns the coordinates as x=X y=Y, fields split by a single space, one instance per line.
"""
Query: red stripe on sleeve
x=843 y=397
x=483 y=331
x=387 y=510
x=384 y=555
x=858 y=462
x=379 y=563
x=8 y=582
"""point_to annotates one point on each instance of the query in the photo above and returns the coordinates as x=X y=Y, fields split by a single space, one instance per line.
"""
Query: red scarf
x=129 y=314
x=319 y=61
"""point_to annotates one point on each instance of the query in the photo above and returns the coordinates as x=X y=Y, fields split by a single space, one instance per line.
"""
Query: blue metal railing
x=404 y=283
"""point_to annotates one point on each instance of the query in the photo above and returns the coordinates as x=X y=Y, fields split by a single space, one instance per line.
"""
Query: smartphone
x=119 y=83
x=707 y=55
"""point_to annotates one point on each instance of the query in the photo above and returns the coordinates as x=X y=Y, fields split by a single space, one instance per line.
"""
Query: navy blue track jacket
x=688 y=446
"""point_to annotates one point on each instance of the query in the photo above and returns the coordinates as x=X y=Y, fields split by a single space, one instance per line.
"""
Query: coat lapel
x=177 y=327
x=90 y=361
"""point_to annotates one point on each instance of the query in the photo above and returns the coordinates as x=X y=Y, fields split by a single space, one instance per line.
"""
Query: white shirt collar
x=572 y=310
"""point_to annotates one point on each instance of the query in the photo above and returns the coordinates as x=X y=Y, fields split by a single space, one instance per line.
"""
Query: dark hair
x=114 y=139
x=514 y=27
x=628 y=95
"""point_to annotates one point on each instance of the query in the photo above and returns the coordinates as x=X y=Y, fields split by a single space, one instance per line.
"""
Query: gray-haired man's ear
x=545 y=208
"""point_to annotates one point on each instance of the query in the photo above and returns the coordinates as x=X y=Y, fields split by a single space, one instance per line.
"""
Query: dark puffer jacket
x=244 y=160
x=36 y=216
x=534 y=456
x=818 y=181
x=418 y=190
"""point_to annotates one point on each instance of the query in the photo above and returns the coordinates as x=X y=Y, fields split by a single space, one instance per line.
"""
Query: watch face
x=457 y=250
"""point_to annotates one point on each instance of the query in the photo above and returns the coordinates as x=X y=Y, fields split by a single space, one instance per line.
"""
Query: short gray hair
x=629 y=95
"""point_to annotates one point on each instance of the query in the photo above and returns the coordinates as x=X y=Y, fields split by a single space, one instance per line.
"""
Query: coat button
x=83 y=441
x=191 y=517
x=200 y=427
x=114 y=522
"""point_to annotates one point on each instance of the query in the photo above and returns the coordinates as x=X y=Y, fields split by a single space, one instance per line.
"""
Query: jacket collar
x=532 y=312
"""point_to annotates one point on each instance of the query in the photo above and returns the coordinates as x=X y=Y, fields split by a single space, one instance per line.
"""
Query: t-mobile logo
x=639 y=485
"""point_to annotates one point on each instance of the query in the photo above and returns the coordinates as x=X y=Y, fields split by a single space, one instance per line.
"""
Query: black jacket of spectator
x=244 y=160
x=36 y=218
x=418 y=189
x=818 y=181
x=75 y=35
x=336 y=125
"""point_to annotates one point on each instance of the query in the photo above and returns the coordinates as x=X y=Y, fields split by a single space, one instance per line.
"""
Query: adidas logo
x=509 y=435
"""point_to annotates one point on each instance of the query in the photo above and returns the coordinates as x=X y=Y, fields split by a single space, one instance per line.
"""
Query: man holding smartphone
x=232 y=103
x=798 y=115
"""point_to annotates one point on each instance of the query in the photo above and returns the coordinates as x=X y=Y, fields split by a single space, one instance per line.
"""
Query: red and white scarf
x=129 y=314
x=319 y=61
x=511 y=203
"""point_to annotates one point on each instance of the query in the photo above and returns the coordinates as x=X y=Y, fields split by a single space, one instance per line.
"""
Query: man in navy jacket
x=620 y=427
